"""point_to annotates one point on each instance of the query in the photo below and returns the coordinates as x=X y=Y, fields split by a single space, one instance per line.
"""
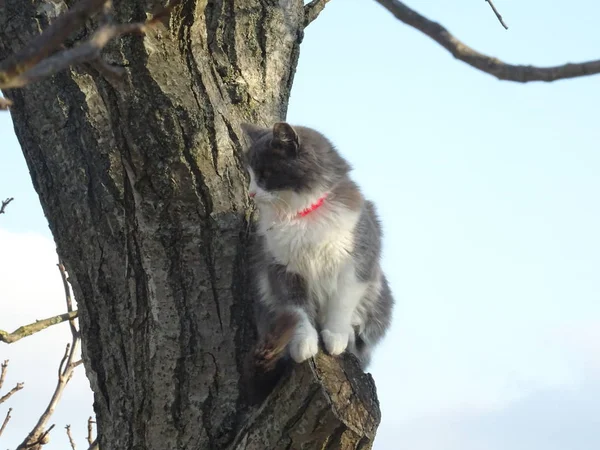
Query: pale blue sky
x=489 y=196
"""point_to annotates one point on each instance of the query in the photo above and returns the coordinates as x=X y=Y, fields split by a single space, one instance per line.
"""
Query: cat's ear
x=253 y=132
x=284 y=136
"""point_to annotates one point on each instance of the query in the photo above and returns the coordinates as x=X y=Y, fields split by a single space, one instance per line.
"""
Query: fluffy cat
x=318 y=245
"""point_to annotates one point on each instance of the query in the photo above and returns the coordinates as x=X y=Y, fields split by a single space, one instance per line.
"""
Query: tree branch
x=32 y=328
x=65 y=372
x=326 y=402
x=36 y=438
x=6 y=419
x=10 y=393
x=18 y=386
x=88 y=51
x=485 y=63
x=312 y=10
x=68 y=299
x=34 y=62
x=3 y=369
x=90 y=439
x=50 y=40
x=71 y=441
x=10 y=199
x=497 y=14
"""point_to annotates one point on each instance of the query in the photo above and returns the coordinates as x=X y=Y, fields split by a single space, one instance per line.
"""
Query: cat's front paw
x=304 y=346
x=335 y=343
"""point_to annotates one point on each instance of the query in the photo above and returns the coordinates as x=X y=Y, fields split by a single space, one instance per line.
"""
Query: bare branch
x=3 y=368
x=68 y=299
x=6 y=419
x=497 y=14
x=71 y=441
x=94 y=445
x=36 y=436
x=312 y=10
x=87 y=51
x=32 y=328
x=488 y=64
x=90 y=439
x=35 y=62
x=63 y=360
x=65 y=372
x=50 y=40
x=10 y=393
x=10 y=199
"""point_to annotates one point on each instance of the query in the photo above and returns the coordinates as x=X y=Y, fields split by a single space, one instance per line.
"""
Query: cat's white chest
x=313 y=247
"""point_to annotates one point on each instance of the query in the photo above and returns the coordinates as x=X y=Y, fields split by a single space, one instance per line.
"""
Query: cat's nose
x=251 y=194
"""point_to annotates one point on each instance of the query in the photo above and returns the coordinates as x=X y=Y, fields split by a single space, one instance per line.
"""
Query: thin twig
x=71 y=441
x=312 y=10
x=10 y=393
x=44 y=438
x=85 y=52
x=3 y=368
x=50 y=40
x=36 y=435
x=18 y=386
x=32 y=328
x=6 y=419
x=65 y=372
x=38 y=61
x=68 y=298
x=485 y=63
x=61 y=371
x=90 y=439
x=10 y=199
x=497 y=14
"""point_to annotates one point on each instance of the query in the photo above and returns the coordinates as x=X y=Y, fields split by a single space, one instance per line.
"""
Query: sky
x=488 y=194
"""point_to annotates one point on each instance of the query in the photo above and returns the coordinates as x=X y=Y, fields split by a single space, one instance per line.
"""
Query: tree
x=139 y=172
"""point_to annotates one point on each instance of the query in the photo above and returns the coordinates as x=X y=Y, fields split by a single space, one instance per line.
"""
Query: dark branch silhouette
x=498 y=15
x=38 y=59
x=10 y=199
x=488 y=64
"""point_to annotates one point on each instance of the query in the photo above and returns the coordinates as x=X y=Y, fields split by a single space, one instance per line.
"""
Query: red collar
x=316 y=205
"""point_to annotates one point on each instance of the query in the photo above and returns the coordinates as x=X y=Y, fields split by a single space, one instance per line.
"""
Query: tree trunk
x=144 y=189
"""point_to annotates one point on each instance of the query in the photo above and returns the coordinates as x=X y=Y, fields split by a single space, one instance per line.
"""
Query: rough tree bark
x=143 y=186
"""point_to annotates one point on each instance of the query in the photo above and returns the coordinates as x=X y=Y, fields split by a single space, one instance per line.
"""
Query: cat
x=317 y=247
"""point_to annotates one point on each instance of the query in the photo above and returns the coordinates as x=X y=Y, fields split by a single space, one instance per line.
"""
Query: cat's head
x=291 y=163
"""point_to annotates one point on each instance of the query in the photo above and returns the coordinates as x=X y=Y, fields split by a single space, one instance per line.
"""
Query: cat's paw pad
x=335 y=343
x=304 y=346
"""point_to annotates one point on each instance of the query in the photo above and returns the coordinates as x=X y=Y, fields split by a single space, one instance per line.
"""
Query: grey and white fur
x=324 y=266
